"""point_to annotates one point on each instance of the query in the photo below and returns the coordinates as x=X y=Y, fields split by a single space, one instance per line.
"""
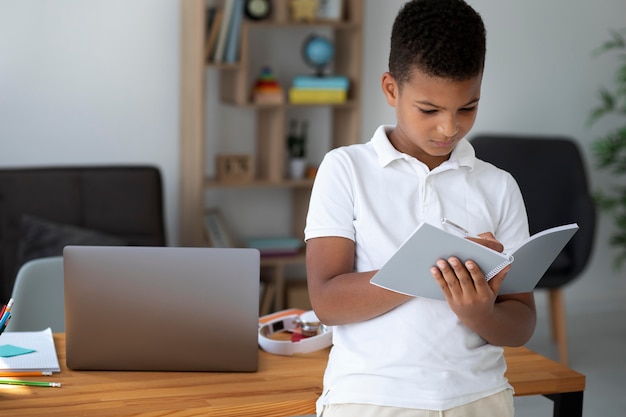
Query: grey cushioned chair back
x=38 y=297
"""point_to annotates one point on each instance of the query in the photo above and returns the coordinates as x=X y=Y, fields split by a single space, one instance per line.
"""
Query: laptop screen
x=161 y=308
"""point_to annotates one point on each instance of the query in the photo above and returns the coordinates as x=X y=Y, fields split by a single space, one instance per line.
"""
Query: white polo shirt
x=419 y=355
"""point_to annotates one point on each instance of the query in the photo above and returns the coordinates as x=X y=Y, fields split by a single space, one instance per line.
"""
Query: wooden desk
x=283 y=386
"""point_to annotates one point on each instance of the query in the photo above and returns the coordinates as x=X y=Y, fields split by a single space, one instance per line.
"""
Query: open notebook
x=408 y=270
x=41 y=356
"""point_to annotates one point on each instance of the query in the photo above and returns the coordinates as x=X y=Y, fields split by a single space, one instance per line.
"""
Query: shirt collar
x=462 y=154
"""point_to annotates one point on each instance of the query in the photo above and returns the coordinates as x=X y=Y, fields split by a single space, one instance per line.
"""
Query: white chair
x=38 y=296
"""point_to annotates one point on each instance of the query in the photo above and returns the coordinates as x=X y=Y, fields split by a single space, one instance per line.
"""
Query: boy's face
x=433 y=114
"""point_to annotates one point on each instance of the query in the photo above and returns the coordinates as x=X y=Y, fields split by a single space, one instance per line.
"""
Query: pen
x=25 y=373
x=4 y=308
x=30 y=383
x=6 y=323
x=7 y=314
x=458 y=228
x=5 y=319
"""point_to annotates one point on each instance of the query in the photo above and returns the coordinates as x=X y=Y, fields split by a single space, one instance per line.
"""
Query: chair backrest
x=38 y=296
x=44 y=208
x=553 y=180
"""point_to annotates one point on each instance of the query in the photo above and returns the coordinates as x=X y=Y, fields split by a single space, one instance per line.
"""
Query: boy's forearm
x=350 y=298
x=511 y=323
x=338 y=295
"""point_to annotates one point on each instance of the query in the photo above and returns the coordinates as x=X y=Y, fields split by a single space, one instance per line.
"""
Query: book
x=231 y=53
x=330 y=82
x=220 y=47
x=42 y=354
x=210 y=16
x=317 y=96
x=275 y=246
x=408 y=269
x=214 y=30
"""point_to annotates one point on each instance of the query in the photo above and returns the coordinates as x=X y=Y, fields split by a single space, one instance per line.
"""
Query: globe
x=318 y=52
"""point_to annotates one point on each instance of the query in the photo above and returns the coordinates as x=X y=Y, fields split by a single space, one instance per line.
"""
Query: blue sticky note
x=6 y=351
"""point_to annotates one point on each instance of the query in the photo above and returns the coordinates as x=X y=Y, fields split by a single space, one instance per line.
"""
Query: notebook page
x=408 y=269
x=534 y=257
x=43 y=359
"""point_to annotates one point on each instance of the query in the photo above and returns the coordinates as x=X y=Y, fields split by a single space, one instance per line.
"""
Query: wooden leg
x=268 y=299
x=279 y=282
x=559 y=327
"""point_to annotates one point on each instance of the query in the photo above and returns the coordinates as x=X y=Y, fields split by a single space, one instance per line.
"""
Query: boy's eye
x=433 y=111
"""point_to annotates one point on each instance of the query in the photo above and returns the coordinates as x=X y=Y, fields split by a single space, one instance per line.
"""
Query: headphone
x=308 y=333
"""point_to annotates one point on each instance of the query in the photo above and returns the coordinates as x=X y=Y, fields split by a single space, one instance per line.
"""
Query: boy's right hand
x=489 y=240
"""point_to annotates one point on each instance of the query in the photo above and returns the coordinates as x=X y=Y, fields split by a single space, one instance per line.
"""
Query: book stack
x=224 y=19
x=319 y=90
x=275 y=246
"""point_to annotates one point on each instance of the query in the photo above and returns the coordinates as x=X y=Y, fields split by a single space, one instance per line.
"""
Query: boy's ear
x=390 y=89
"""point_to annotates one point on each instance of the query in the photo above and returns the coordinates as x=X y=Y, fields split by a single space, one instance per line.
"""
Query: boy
x=396 y=355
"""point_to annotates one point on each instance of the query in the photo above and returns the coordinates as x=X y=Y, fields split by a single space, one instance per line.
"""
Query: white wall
x=91 y=82
x=96 y=81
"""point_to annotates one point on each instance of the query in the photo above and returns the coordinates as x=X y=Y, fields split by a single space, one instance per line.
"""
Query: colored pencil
x=6 y=312
x=30 y=383
x=25 y=373
x=7 y=305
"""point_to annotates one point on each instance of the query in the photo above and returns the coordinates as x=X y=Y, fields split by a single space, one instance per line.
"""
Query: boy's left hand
x=467 y=291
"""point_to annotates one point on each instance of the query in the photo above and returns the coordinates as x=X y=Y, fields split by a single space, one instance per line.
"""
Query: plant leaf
x=610 y=149
x=617 y=42
x=607 y=105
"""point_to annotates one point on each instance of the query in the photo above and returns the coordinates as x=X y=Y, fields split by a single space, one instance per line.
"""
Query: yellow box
x=317 y=96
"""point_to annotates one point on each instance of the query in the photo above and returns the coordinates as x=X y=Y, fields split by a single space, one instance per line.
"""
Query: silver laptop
x=161 y=308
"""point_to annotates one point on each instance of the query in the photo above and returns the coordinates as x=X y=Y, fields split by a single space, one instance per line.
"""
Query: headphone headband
x=316 y=336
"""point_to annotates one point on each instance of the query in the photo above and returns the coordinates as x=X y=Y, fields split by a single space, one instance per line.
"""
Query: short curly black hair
x=441 y=38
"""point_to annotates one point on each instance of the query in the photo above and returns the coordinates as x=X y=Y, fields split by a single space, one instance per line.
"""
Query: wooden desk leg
x=279 y=282
x=568 y=404
x=267 y=299
x=274 y=277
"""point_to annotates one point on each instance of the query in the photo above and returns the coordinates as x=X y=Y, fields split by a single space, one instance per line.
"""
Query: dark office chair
x=553 y=180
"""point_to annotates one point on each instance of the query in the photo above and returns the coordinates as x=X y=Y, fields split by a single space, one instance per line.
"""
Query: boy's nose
x=449 y=128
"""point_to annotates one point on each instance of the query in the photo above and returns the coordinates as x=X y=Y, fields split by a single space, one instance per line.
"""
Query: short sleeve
x=331 y=208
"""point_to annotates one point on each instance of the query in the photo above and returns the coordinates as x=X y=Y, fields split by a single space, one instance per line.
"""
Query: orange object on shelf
x=266 y=89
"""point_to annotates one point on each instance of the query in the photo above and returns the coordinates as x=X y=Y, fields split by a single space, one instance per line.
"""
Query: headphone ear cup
x=309 y=316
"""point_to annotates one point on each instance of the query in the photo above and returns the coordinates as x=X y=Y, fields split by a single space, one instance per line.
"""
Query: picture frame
x=216 y=229
x=330 y=10
x=235 y=168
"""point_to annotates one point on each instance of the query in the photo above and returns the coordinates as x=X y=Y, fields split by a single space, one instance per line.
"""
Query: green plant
x=296 y=140
x=610 y=149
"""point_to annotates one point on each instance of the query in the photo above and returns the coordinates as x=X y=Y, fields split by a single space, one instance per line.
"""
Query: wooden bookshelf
x=271 y=128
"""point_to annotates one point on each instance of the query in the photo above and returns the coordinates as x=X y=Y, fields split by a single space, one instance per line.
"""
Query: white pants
x=497 y=405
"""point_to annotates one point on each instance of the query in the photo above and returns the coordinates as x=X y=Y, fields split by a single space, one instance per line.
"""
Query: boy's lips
x=444 y=144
